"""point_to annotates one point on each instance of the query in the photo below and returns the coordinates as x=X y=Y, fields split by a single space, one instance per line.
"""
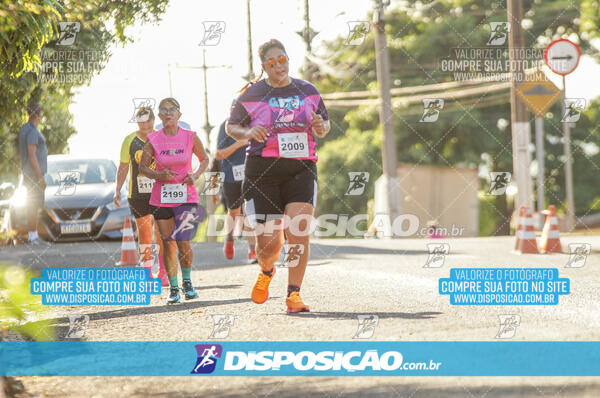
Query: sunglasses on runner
x=170 y=111
x=281 y=59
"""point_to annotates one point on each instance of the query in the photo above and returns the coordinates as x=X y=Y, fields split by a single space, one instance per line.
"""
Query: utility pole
x=388 y=151
x=207 y=126
x=170 y=84
x=566 y=126
x=210 y=206
x=307 y=35
x=521 y=129
x=539 y=152
x=250 y=74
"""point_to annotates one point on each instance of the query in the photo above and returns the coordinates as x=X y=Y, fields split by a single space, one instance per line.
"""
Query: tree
x=29 y=33
x=420 y=35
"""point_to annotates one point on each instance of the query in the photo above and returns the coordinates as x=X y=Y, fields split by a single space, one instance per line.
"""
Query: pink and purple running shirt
x=280 y=110
x=174 y=152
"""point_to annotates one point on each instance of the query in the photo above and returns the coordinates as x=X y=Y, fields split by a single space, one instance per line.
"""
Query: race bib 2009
x=293 y=145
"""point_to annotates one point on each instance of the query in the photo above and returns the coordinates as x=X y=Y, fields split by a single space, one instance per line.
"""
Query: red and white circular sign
x=562 y=56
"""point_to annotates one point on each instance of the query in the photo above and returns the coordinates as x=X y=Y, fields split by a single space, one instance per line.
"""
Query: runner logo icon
x=499 y=33
x=77 y=326
x=578 y=254
x=222 y=325
x=573 y=109
x=291 y=257
x=141 y=103
x=498 y=182
x=358 y=32
x=437 y=254
x=366 y=326
x=212 y=33
x=212 y=182
x=358 y=182
x=431 y=109
x=68 y=32
x=508 y=326
x=68 y=182
x=207 y=358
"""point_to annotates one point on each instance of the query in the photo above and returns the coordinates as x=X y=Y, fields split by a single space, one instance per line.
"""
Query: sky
x=140 y=69
x=102 y=110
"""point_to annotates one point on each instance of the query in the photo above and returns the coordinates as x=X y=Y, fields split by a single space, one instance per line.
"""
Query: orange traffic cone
x=550 y=242
x=129 y=253
x=526 y=242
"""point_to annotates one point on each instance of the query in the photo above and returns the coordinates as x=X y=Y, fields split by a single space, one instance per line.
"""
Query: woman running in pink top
x=281 y=117
x=174 y=199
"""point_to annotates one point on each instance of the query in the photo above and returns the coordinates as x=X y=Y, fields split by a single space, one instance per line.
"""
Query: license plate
x=76 y=227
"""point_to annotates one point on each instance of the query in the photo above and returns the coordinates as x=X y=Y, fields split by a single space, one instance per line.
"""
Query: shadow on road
x=140 y=311
x=320 y=250
x=352 y=315
x=206 y=255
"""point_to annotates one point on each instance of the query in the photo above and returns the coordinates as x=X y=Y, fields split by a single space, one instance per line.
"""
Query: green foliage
x=19 y=309
x=202 y=232
x=357 y=149
x=466 y=132
x=29 y=31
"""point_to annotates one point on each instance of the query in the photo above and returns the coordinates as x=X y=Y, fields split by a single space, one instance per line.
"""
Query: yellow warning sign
x=539 y=94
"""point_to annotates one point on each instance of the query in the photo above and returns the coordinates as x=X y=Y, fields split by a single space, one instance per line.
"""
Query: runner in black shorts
x=280 y=116
x=232 y=155
x=140 y=188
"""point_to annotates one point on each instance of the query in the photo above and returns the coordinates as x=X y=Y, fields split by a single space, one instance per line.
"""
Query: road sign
x=539 y=94
x=562 y=56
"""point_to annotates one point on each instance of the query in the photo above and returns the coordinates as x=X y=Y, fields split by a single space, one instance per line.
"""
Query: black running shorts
x=139 y=207
x=232 y=191
x=271 y=183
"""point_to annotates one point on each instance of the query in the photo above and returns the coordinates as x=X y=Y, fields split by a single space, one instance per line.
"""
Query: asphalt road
x=345 y=278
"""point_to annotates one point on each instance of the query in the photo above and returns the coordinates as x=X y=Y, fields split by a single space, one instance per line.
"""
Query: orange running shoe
x=228 y=249
x=294 y=303
x=260 y=291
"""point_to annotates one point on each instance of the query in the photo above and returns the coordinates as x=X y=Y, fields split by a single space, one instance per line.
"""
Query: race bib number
x=293 y=145
x=238 y=172
x=173 y=193
x=144 y=184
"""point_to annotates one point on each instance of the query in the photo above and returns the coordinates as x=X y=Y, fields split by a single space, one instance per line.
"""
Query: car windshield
x=93 y=171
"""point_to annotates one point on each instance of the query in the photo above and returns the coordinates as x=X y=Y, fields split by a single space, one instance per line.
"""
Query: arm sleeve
x=32 y=137
x=125 y=157
x=321 y=110
x=223 y=141
x=238 y=114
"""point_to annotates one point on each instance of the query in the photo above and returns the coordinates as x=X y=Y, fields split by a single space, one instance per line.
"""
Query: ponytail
x=251 y=82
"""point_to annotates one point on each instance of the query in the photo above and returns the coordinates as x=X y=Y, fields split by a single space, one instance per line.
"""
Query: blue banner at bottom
x=300 y=358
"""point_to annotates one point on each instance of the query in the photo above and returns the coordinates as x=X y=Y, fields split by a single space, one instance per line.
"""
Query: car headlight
x=19 y=198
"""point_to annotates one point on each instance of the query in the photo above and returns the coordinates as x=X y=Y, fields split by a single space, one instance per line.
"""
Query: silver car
x=78 y=200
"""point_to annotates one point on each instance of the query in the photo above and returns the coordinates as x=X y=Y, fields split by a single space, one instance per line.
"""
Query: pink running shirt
x=174 y=152
x=280 y=110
